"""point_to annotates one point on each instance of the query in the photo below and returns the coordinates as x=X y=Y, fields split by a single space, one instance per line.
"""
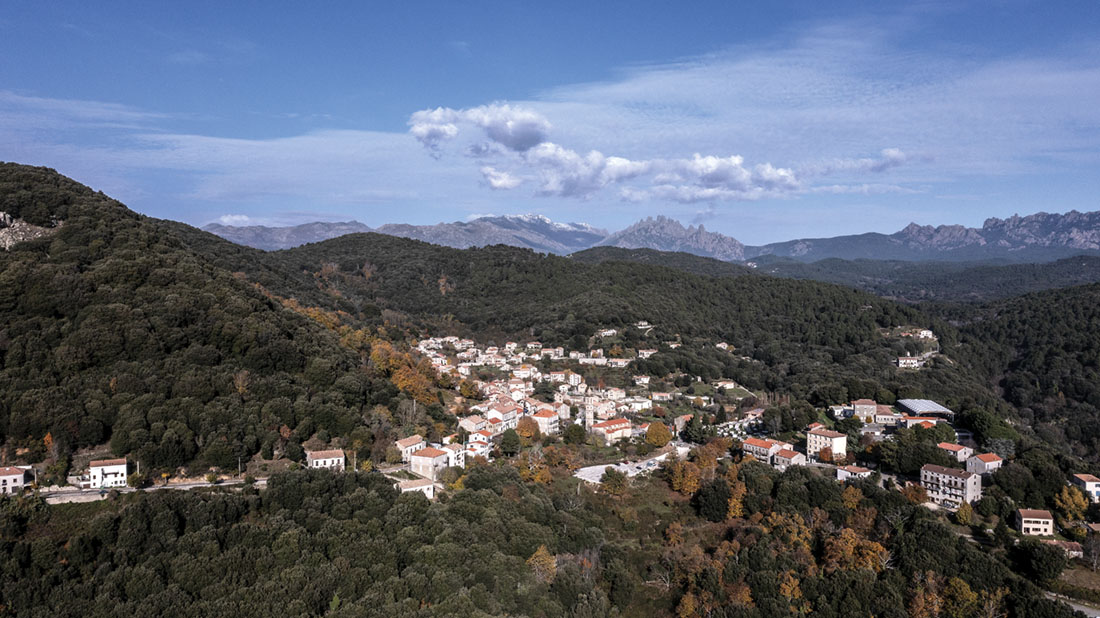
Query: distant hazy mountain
x=1041 y=237
x=531 y=231
x=273 y=238
x=1035 y=238
x=666 y=234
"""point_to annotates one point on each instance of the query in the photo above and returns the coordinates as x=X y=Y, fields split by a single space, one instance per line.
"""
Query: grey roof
x=923 y=406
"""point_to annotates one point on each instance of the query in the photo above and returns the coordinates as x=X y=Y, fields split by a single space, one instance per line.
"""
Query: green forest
x=163 y=343
x=746 y=542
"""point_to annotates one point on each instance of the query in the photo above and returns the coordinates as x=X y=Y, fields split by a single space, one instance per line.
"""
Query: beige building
x=785 y=458
x=820 y=438
x=950 y=487
x=1033 y=522
x=613 y=430
x=429 y=462
x=424 y=486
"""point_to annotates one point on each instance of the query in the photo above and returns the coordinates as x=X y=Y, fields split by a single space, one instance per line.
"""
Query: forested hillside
x=315 y=543
x=914 y=282
x=1043 y=351
x=113 y=328
x=807 y=339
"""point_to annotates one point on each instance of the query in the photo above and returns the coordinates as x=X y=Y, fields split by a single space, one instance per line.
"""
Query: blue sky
x=793 y=119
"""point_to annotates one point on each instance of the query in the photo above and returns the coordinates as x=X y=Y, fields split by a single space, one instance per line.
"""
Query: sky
x=764 y=121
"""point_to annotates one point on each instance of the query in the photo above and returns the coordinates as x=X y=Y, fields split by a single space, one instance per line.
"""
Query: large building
x=924 y=407
x=410 y=445
x=950 y=487
x=107 y=473
x=331 y=460
x=819 y=439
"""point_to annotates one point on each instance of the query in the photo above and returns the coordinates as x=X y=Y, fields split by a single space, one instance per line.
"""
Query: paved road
x=1087 y=610
x=63 y=496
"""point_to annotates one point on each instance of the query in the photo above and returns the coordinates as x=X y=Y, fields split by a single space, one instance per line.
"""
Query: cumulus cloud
x=498 y=179
x=516 y=128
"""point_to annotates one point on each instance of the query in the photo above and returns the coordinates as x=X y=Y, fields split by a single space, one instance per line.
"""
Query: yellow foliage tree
x=1071 y=503
x=658 y=434
x=737 y=495
x=544 y=564
x=851 y=497
x=959 y=601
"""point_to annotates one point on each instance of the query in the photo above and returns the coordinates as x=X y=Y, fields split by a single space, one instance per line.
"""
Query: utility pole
x=238 y=466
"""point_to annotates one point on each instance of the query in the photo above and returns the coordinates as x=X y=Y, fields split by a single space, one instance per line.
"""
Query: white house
x=959 y=452
x=910 y=362
x=984 y=463
x=844 y=473
x=410 y=445
x=1089 y=484
x=456 y=455
x=424 y=486
x=865 y=409
x=428 y=462
x=333 y=459
x=12 y=480
x=547 y=421
x=646 y=353
x=107 y=473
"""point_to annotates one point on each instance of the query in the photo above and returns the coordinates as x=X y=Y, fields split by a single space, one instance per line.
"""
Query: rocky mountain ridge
x=1039 y=237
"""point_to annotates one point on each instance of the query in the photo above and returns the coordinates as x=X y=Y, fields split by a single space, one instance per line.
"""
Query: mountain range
x=1039 y=237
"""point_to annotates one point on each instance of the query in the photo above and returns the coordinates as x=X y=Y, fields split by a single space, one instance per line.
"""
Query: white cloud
x=235 y=220
x=515 y=128
x=498 y=179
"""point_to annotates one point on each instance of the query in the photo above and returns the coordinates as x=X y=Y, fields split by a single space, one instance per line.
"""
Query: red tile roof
x=10 y=471
x=1034 y=514
x=948 y=446
x=107 y=462
x=429 y=452
x=988 y=458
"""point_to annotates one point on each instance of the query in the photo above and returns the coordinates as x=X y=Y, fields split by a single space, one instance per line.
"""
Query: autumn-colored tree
x=614 y=482
x=959 y=601
x=674 y=533
x=1071 y=503
x=790 y=589
x=366 y=465
x=544 y=564
x=528 y=431
x=658 y=434
x=926 y=600
x=851 y=497
x=991 y=604
x=863 y=520
x=542 y=475
x=241 y=381
x=469 y=390
x=915 y=493
x=684 y=477
x=848 y=552
x=737 y=495
x=410 y=380
x=688 y=607
x=825 y=455
x=965 y=515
